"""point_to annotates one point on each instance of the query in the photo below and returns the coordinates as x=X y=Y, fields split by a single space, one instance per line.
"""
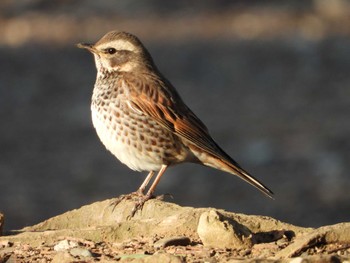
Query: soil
x=166 y=232
x=270 y=80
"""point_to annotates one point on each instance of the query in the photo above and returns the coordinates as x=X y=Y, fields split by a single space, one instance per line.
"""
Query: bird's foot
x=138 y=197
x=131 y=196
x=141 y=200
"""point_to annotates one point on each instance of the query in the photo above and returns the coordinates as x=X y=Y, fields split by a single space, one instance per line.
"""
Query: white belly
x=123 y=148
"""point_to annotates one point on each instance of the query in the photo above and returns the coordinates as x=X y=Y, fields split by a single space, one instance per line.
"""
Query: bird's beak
x=87 y=46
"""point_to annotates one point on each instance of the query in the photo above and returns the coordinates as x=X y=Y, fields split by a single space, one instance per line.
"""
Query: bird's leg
x=141 y=197
x=144 y=198
x=156 y=181
x=139 y=193
x=145 y=183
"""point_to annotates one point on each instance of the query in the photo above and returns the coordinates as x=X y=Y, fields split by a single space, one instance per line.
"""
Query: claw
x=139 y=198
x=130 y=196
x=139 y=204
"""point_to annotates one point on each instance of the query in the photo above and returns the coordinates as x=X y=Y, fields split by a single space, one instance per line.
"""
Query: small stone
x=218 y=233
x=63 y=257
x=296 y=260
x=172 y=241
x=80 y=252
x=162 y=257
x=11 y=259
x=5 y=243
x=65 y=245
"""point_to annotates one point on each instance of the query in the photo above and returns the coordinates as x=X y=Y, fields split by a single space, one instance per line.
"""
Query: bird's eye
x=111 y=50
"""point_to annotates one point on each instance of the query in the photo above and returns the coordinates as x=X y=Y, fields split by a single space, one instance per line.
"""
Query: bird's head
x=119 y=52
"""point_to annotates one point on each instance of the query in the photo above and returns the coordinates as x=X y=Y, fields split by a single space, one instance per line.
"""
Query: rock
x=93 y=231
x=64 y=245
x=214 y=231
x=80 y=252
x=318 y=259
x=10 y=259
x=338 y=233
x=63 y=257
x=160 y=257
x=5 y=244
x=172 y=241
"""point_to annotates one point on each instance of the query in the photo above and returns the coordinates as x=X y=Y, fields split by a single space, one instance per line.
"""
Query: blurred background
x=270 y=79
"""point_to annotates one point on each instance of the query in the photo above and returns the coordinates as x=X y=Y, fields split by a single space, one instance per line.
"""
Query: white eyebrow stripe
x=119 y=45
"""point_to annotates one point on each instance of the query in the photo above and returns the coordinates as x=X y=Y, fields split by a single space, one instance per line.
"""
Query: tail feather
x=225 y=163
x=238 y=171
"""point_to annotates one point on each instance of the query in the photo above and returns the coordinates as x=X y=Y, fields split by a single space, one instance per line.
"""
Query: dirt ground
x=165 y=232
x=273 y=81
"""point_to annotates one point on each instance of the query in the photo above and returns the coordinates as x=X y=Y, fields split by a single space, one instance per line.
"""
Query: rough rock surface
x=166 y=232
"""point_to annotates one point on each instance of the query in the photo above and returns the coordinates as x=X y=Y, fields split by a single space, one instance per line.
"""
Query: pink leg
x=156 y=181
x=145 y=182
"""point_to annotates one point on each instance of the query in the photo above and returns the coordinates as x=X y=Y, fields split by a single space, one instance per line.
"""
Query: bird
x=142 y=120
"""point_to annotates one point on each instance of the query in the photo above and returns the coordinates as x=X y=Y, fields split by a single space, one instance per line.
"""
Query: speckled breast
x=134 y=138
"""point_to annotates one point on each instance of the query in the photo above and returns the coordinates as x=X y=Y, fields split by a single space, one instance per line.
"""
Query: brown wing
x=159 y=100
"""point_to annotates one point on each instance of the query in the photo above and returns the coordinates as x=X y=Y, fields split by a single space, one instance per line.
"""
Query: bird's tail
x=226 y=163
x=233 y=168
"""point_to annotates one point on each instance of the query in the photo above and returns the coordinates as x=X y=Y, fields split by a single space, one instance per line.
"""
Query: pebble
x=5 y=243
x=63 y=257
x=64 y=245
x=80 y=252
x=219 y=233
x=172 y=241
x=12 y=259
x=296 y=260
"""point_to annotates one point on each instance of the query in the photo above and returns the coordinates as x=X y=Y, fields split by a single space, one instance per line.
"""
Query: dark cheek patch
x=118 y=60
x=113 y=62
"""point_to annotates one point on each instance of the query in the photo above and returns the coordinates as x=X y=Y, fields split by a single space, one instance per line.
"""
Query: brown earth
x=166 y=232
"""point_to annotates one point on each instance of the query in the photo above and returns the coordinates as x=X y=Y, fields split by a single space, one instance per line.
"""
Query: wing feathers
x=161 y=102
